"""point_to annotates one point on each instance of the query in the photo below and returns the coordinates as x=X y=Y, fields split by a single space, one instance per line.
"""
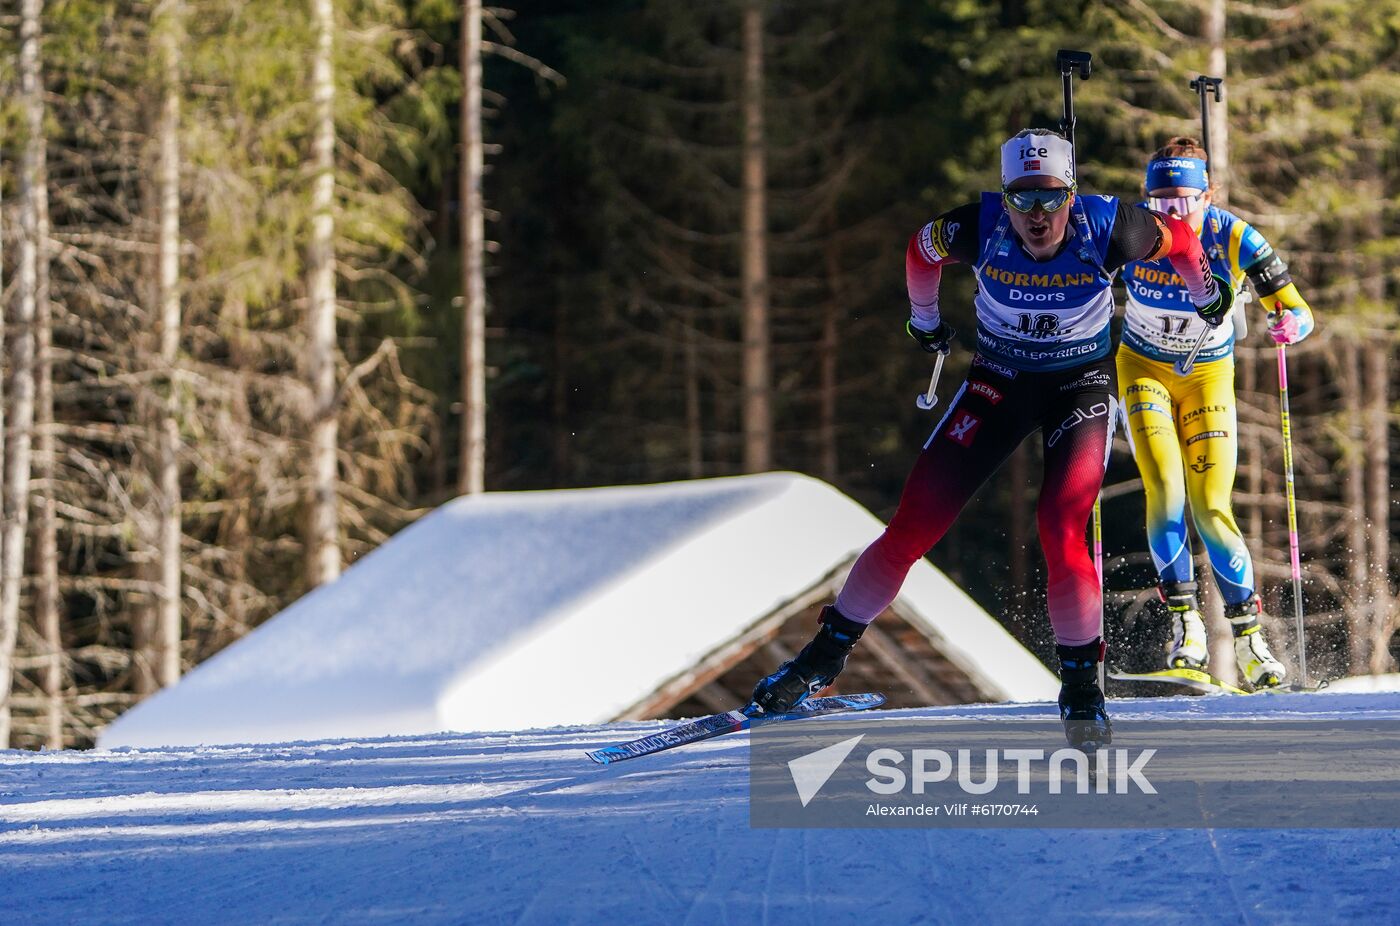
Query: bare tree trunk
x=323 y=542
x=758 y=417
x=167 y=637
x=1376 y=351
x=17 y=462
x=6 y=649
x=1219 y=117
x=238 y=537
x=1378 y=500
x=46 y=540
x=7 y=637
x=1354 y=499
x=46 y=595
x=472 y=474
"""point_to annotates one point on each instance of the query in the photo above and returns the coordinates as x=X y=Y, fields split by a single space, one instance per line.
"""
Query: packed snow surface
x=487 y=828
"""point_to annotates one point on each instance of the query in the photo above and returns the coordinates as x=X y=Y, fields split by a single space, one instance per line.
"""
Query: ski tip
x=616 y=753
x=865 y=700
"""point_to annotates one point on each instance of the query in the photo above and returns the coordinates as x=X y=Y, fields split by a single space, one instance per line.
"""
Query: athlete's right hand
x=1214 y=312
x=937 y=341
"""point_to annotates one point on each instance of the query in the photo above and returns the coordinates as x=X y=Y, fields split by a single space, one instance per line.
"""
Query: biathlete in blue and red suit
x=1044 y=258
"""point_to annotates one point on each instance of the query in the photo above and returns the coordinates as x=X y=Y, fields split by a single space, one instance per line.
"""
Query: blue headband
x=1170 y=172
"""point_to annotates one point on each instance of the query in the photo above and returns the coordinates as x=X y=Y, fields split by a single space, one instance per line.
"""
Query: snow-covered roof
x=531 y=609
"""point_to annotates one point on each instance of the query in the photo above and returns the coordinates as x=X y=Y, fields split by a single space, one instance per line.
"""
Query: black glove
x=937 y=341
x=1214 y=312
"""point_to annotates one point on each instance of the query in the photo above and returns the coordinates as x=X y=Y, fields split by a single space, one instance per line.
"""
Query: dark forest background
x=233 y=286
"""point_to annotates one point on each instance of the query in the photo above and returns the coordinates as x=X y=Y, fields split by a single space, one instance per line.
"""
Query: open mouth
x=1038 y=228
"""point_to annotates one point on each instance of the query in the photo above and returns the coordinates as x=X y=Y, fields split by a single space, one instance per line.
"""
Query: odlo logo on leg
x=963 y=427
x=1097 y=410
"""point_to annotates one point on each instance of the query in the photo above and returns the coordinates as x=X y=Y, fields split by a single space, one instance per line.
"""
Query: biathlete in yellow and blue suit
x=1182 y=427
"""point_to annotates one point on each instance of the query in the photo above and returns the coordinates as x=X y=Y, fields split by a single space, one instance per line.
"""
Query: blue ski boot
x=1081 y=700
x=814 y=668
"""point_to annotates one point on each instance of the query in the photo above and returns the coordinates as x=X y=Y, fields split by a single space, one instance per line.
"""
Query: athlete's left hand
x=1214 y=312
x=1289 y=325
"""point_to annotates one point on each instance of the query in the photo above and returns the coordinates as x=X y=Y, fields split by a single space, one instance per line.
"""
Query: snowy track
x=522 y=828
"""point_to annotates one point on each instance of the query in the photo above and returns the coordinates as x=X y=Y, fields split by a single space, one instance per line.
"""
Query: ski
x=1205 y=683
x=1194 y=679
x=730 y=722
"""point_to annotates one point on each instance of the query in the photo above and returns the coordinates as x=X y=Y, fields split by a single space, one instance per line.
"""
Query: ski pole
x=930 y=398
x=1292 y=516
x=1069 y=61
x=1098 y=568
x=1185 y=366
x=1098 y=543
x=1204 y=87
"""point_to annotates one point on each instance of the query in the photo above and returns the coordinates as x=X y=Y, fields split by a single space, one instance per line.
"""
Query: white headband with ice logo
x=1037 y=156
